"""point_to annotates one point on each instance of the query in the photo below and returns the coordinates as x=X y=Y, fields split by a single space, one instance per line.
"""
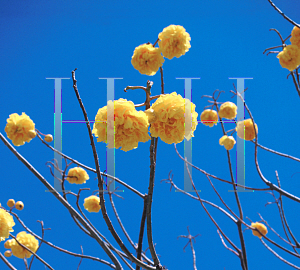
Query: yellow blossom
x=19 y=128
x=28 y=241
x=228 y=110
x=209 y=117
x=169 y=121
x=6 y=224
x=295 y=39
x=92 y=204
x=77 y=175
x=249 y=133
x=261 y=227
x=174 y=41
x=227 y=141
x=147 y=59
x=290 y=57
x=129 y=125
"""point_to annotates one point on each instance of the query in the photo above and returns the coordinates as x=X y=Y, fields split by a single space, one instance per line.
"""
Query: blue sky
x=43 y=39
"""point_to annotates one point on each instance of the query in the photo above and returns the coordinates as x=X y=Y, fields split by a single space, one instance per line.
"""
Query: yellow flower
x=169 y=120
x=174 y=41
x=228 y=142
x=249 y=133
x=28 y=241
x=295 y=39
x=92 y=204
x=77 y=176
x=209 y=117
x=19 y=128
x=129 y=125
x=228 y=110
x=261 y=227
x=6 y=224
x=290 y=57
x=147 y=59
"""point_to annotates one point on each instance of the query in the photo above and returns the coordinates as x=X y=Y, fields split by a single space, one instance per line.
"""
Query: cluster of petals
x=209 y=117
x=227 y=141
x=168 y=122
x=289 y=58
x=28 y=241
x=20 y=129
x=295 y=39
x=92 y=204
x=245 y=130
x=261 y=227
x=228 y=110
x=77 y=175
x=174 y=41
x=147 y=59
x=6 y=224
x=126 y=126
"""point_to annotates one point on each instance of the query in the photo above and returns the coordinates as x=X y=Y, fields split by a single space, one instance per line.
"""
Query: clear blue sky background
x=42 y=39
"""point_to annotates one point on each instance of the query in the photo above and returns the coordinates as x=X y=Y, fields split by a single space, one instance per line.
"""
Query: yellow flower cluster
x=227 y=141
x=295 y=39
x=25 y=239
x=147 y=59
x=129 y=125
x=174 y=41
x=245 y=130
x=6 y=224
x=20 y=129
x=209 y=117
x=169 y=120
x=92 y=204
x=77 y=176
x=261 y=227
x=228 y=110
x=290 y=57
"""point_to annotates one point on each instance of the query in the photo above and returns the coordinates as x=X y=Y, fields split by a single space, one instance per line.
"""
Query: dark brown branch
x=149 y=203
x=37 y=256
x=7 y=262
x=141 y=234
x=280 y=258
x=283 y=15
x=100 y=186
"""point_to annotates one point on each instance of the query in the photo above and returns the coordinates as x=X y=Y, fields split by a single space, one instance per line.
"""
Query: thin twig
x=284 y=16
x=34 y=254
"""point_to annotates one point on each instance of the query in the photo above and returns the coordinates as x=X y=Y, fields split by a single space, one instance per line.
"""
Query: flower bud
x=19 y=205
x=7 y=253
x=11 y=203
x=48 y=138
x=31 y=134
x=151 y=115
